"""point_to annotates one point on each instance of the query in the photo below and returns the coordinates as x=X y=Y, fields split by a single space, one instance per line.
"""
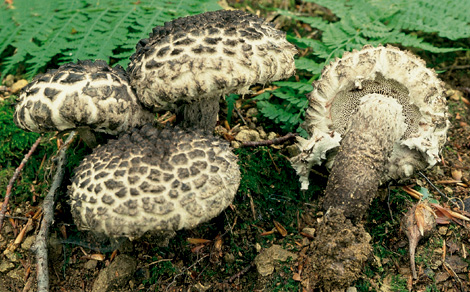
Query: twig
x=40 y=246
x=12 y=180
x=240 y=115
x=237 y=275
x=270 y=142
x=438 y=190
x=185 y=270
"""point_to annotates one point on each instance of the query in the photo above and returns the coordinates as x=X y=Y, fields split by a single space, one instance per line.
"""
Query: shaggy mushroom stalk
x=364 y=151
x=198 y=114
x=375 y=115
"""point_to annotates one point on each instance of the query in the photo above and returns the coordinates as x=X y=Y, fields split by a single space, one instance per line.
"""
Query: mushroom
x=153 y=180
x=375 y=115
x=187 y=64
x=83 y=96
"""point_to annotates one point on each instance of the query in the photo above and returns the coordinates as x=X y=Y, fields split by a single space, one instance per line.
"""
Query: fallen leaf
x=457 y=174
x=96 y=256
x=296 y=277
x=280 y=228
x=198 y=240
x=197 y=248
x=267 y=233
x=414 y=193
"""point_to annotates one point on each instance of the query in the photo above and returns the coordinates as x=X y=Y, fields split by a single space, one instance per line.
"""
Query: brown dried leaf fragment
x=280 y=228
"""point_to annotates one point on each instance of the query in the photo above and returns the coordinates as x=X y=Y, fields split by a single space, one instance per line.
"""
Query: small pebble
x=9 y=80
x=91 y=264
x=310 y=231
x=18 y=85
x=28 y=242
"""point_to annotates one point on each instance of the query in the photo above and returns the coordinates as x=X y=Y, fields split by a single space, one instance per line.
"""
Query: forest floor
x=269 y=210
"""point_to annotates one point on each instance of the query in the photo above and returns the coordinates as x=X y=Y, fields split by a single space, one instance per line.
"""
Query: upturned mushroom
x=375 y=115
x=84 y=96
x=153 y=180
x=189 y=63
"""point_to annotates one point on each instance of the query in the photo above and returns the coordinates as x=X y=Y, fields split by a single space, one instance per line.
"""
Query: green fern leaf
x=69 y=30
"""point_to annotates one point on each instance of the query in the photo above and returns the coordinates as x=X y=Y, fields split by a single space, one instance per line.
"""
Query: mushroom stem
x=365 y=148
x=87 y=136
x=200 y=114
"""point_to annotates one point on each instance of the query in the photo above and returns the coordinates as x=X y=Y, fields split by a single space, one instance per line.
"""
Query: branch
x=12 y=180
x=40 y=246
x=270 y=142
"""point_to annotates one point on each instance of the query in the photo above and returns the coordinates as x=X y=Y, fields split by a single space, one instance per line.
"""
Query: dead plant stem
x=40 y=246
x=13 y=179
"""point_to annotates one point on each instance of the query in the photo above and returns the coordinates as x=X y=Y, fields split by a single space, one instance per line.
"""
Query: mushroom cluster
x=152 y=179
x=374 y=115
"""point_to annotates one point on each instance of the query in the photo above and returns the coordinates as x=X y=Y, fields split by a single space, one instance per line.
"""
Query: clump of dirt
x=338 y=252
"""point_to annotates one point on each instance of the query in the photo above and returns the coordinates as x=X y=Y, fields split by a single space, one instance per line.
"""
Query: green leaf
x=41 y=31
x=231 y=100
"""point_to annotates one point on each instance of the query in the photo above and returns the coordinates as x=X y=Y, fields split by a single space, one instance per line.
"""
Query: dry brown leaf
x=449 y=213
x=306 y=235
x=113 y=255
x=419 y=217
x=465 y=101
x=197 y=248
x=267 y=233
x=218 y=243
x=280 y=228
x=414 y=193
x=198 y=240
x=457 y=174
x=95 y=256
x=296 y=277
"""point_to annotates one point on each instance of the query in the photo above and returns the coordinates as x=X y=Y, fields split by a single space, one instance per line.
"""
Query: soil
x=220 y=255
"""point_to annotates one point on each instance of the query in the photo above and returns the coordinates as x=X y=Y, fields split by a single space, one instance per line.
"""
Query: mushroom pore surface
x=153 y=180
x=86 y=94
x=375 y=127
x=206 y=56
x=334 y=102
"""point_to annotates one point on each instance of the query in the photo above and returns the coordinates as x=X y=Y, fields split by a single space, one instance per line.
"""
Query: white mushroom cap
x=383 y=70
x=153 y=180
x=207 y=56
x=86 y=94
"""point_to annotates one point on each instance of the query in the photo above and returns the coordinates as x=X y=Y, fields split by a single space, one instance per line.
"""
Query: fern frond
x=447 y=18
x=69 y=30
x=381 y=22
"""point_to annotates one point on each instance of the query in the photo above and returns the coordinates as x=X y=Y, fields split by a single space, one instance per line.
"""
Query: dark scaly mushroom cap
x=385 y=71
x=86 y=94
x=153 y=180
x=208 y=55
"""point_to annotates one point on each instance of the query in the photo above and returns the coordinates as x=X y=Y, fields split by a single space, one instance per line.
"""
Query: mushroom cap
x=153 y=180
x=383 y=70
x=85 y=94
x=207 y=56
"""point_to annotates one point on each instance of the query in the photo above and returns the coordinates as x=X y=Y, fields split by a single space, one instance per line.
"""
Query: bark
x=201 y=115
x=364 y=151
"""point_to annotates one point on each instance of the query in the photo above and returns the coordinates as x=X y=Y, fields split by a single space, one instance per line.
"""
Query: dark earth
x=221 y=255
